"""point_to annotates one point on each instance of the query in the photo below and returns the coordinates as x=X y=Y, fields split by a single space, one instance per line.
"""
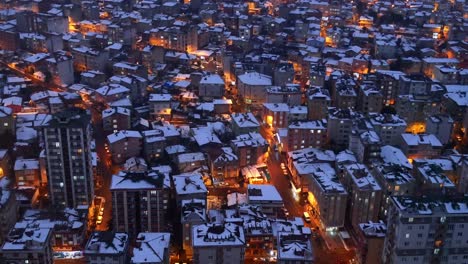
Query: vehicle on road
x=306 y=217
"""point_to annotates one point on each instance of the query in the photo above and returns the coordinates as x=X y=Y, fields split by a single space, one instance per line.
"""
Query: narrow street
x=328 y=249
x=106 y=168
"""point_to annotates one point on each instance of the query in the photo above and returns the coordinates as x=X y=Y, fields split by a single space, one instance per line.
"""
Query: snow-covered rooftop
x=122 y=134
x=147 y=180
x=151 y=248
x=218 y=235
x=255 y=78
x=263 y=193
x=189 y=183
x=421 y=139
x=26 y=164
x=362 y=177
x=107 y=242
x=245 y=120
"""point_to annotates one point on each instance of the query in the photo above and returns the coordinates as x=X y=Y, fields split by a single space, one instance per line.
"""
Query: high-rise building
x=67 y=140
x=426 y=230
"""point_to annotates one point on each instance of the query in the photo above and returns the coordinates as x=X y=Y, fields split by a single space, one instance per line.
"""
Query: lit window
x=5 y=124
x=407 y=235
x=57 y=144
x=411 y=219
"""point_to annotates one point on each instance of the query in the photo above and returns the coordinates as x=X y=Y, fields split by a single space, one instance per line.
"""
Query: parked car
x=306 y=217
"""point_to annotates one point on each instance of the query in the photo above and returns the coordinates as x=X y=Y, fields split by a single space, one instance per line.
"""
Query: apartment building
x=189 y=186
x=30 y=243
x=181 y=36
x=276 y=115
x=67 y=140
x=266 y=197
x=370 y=98
x=140 y=200
x=107 y=247
x=125 y=68
x=112 y=92
x=252 y=87
x=27 y=172
x=250 y=148
x=294 y=248
x=85 y=59
x=124 y=144
x=151 y=246
x=434 y=175
x=154 y=143
x=426 y=230
x=187 y=162
x=305 y=134
x=7 y=121
x=244 y=123
x=420 y=146
x=289 y=94
x=307 y=156
x=318 y=101
x=218 y=243
x=160 y=106
x=344 y=95
x=366 y=145
x=193 y=212
x=339 y=126
x=441 y=126
x=389 y=83
x=68 y=226
x=116 y=119
x=370 y=237
x=325 y=194
x=389 y=127
x=223 y=163
x=211 y=87
x=365 y=195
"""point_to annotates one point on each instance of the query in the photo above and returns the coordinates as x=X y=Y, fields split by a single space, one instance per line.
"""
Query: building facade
x=67 y=140
x=140 y=201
